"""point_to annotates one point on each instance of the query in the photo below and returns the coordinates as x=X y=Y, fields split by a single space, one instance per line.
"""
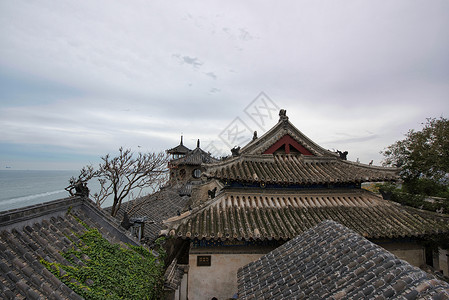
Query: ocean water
x=23 y=188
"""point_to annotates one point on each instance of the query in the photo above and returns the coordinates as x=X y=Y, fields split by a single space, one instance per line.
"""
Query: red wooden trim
x=288 y=141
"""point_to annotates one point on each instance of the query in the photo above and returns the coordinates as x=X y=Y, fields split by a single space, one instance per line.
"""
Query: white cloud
x=357 y=73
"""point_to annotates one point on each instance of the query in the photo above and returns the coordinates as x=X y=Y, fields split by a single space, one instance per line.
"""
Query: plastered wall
x=412 y=253
x=220 y=279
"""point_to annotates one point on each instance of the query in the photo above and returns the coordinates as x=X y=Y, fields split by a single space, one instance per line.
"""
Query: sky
x=79 y=79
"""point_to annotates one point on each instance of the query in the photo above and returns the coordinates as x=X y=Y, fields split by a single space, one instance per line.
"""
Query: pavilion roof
x=195 y=157
x=180 y=149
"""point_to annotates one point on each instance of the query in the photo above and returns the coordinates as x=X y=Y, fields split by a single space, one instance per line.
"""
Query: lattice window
x=203 y=261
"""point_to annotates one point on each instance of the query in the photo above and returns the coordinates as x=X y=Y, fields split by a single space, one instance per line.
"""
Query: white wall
x=444 y=261
x=414 y=254
x=220 y=279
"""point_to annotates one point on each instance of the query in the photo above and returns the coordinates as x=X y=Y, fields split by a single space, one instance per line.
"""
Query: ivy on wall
x=101 y=270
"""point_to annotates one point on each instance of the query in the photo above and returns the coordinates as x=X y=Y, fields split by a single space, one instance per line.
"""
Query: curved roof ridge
x=297 y=169
x=372 y=167
x=283 y=127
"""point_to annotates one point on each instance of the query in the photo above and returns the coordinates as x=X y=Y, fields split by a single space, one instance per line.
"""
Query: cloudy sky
x=79 y=79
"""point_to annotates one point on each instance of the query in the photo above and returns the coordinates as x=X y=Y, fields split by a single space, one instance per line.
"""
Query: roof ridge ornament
x=235 y=151
x=283 y=115
x=343 y=155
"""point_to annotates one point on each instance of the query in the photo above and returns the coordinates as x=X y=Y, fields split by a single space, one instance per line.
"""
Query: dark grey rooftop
x=156 y=207
x=331 y=261
x=196 y=157
x=180 y=149
x=44 y=231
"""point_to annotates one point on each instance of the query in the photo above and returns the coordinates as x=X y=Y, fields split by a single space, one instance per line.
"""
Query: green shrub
x=110 y=271
x=404 y=196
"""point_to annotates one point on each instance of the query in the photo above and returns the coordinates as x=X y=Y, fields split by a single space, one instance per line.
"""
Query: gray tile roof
x=156 y=207
x=283 y=214
x=180 y=149
x=331 y=261
x=195 y=157
x=297 y=169
x=44 y=231
x=186 y=189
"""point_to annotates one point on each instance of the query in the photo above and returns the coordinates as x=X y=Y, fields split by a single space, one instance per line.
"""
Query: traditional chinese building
x=178 y=151
x=275 y=188
x=186 y=168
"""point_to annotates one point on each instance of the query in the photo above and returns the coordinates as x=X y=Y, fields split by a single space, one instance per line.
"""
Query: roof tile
x=267 y=214
x=156 y=207
x=294 y=169
x=25 y=239
x=324 y=270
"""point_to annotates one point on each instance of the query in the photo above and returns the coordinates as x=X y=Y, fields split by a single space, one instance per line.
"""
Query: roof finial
x=283 y=115
x=181 y=139
x=198 y=143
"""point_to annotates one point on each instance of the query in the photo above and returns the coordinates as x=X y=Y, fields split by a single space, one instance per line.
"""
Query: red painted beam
x=288 y=142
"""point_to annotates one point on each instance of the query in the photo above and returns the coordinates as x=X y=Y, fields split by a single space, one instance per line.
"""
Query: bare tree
x=78 y=186
x=121 y=175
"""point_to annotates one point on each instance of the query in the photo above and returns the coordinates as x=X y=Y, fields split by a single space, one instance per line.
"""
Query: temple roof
x=282 y=184
x=284 y=128
x=329 y=261
x=284 y=155
x=156 y=208
x=283 y=214
x=294 y=169
x=44 y=231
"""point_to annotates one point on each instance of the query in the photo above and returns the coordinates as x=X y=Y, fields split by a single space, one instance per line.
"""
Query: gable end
x=289 y=145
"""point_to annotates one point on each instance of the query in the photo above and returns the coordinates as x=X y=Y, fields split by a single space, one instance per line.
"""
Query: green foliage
x=403 y=196
x=422 y=154
x=101 y=270
x=427 y=187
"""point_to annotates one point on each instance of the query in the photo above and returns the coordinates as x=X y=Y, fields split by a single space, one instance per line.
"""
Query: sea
x=20 y=188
